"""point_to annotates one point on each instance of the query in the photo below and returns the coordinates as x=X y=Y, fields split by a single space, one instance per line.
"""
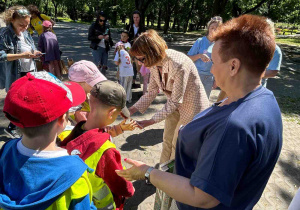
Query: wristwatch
x=147 y=175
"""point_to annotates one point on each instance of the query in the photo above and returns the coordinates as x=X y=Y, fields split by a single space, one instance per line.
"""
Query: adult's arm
x=270 y=73
x=194 y=51
x=179 y=87
x=12 y=57
x=274 y=65
x=177 y=187
x=45 y=17
x=91 y=35
x=145 y=101
x=196 y=57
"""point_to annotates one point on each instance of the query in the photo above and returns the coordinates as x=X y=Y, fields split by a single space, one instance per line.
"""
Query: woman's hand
x=214 y=85
x=27 y=55
x=106 y=37
x=204 y=58
x=37 y=54
x=145 y=123
x=100 y=37
x=130 y=126
x=136 y=172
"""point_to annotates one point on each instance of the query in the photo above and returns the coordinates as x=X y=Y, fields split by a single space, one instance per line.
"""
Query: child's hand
x=128 y=127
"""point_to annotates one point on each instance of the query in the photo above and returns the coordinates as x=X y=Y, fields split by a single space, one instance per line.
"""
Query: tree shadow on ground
x=285 y=86
x=147 y=138
x=292 y=172
x=142 y=191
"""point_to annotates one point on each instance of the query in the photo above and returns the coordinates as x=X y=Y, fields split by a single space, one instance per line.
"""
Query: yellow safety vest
x=102 y=196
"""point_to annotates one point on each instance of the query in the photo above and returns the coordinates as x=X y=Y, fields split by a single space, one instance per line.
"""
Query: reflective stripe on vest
x=81 y=188
x=102 y=196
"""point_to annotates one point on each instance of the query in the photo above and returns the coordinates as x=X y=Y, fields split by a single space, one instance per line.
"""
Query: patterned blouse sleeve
x=179 y=87
x=145 y=101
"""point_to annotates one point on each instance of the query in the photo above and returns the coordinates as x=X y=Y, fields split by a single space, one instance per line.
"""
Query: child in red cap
x=48 y=44
x=35 y=173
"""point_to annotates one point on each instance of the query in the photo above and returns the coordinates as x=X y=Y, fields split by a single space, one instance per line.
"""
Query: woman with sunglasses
x=101 y=42
x=202 y=58
x=17 y=51
x=176 y=75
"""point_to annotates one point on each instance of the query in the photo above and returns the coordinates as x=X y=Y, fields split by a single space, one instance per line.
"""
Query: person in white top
x=123 y=60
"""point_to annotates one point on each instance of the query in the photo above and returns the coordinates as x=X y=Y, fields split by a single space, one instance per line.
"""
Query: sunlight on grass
x=289 y=41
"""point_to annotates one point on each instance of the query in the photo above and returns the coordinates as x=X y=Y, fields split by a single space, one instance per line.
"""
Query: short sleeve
x=116 y=56
x=276 y=60
x=45 y=17
x=195 y=48
x=222 y=161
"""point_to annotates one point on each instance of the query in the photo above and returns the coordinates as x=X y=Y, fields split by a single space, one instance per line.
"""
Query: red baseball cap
x=39 y=98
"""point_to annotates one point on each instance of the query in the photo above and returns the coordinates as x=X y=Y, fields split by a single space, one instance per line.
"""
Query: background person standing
x=36 y=21
x=101 y=41
x=17 y=52
x=135 y=29
x=202 y=58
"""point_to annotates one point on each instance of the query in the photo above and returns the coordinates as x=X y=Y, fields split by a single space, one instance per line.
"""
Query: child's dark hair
x=125 y=32
x=45 y=29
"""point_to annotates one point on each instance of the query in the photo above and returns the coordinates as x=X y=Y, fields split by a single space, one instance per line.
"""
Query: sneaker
x=13 y=133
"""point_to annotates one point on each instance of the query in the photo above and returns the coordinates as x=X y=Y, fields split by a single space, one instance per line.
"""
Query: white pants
x=126 y=82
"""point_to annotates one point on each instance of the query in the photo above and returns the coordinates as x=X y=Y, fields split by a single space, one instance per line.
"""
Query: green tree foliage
x=178 y=15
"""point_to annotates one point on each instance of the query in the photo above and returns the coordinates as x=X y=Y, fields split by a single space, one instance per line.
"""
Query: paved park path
x=145 y=145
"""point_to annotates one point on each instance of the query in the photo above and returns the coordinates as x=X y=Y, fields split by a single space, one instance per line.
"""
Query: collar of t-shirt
x=40 y=154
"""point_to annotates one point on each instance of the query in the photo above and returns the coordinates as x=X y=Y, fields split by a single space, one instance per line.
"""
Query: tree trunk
x=218 y=7
x=114 y=14
x=175 y=21
x=46 y=7
x=142 y=6
x=167 y=22
x=159 y=19
x=188 y=18
x=148 y=20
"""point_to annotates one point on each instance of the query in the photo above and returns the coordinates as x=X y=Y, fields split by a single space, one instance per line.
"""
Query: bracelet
x=147 y=175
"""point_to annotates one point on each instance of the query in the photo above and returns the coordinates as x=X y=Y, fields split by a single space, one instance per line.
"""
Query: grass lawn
x=289 y=41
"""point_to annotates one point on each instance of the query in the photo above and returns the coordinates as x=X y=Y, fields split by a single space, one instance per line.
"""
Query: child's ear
x=61 y=120
x=111 y=112
x=88 y=96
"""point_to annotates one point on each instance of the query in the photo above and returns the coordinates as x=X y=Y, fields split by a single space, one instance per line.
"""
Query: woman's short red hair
x=248 y=38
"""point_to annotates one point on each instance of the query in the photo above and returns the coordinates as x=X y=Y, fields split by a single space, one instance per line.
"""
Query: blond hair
x=150 y=45
x=15 y=12
x=217 y=19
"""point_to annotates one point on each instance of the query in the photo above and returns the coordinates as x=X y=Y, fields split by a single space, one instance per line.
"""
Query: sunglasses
x=217 y=18
x=23 y=12
x=142 y=60
x=101 y=20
